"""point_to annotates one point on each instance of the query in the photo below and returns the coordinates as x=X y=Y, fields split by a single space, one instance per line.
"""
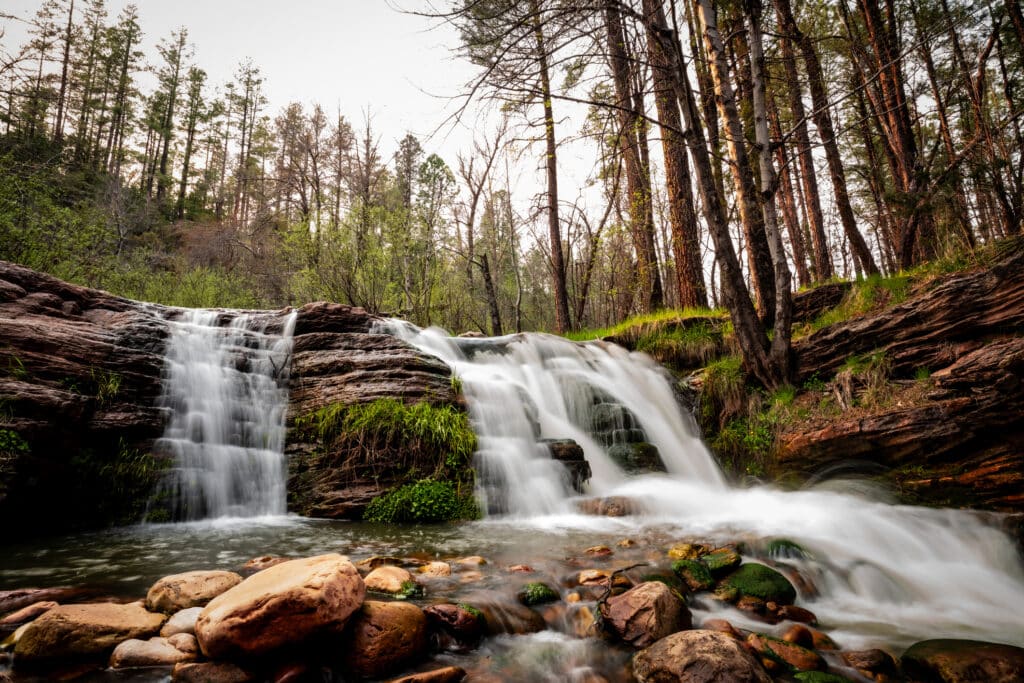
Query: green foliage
x=472 y=611
x=107 y=384
x=126 y=478
x=423 y=502
x=537 y=593
x=456 y=384
x=763 y=582
x=865 y=295
x=409 y=590
x=819 y=677
x=874 y=370
x=721 y=560
x=745 y=443
x=724 y=390
x=922 y=374
x=694 y=573
x=16 y=368
x=11 y=443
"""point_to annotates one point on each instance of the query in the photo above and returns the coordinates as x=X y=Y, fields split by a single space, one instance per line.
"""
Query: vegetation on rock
x=423 y=502
x=760 y=581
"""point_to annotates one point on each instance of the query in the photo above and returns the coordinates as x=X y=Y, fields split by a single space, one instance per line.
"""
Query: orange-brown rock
x=384 y=637
x=387 y=579
x=795 y=656
x=645 y=613
x=963 y=661
x=181 y=622
x=281 y=606
x=698 y=656
x=449 y=674
x=454 y=627
x=191 y=589
x=210 y=672
x=88 y=630
x=27 y=614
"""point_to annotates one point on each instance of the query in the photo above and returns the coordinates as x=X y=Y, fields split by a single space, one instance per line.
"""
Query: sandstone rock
x=797 y=658
x=27 y=614
x=70 y=631
x=471 y=561
x=963 y=661
x=281 y=606
x=385 y=637
x=799 y=635
x=210 y=672
x=152 y=652
x=436 y=569
x=697 y=657
x=599 y=551
x=645 y=613
x=192 y=589
x=368 y=564
x=449 y=674
x=388 y=579
x=687 y=551
x=186 y=642
x=503 y=617
x=792 y=613
x=181 y=622
x=722 y=626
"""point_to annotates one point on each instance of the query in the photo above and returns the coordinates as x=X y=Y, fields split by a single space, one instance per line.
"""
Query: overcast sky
x=356 y=54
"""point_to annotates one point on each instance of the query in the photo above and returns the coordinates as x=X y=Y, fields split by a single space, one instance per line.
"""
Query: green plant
x=456 y=384
x=107 y=384
x=874 y=370
x=922 y=374
x=638 y=321
x=472 y=611
x=696 y=343
x=537 y=593
x=425 y=501
x=11 y=443
x=409 y=589
x=16 y=368
x=864 y=296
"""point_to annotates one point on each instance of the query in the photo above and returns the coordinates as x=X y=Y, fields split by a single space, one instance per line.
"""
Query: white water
x=884 y=573
x=226 y=386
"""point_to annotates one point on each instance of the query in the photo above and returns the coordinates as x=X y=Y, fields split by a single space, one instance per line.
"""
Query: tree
x=194 y=113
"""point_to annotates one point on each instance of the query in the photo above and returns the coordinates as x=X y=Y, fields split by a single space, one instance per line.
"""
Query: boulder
x=71 y=631
x=192 y=589
x=388 y=579
x=537 y=593
x=698 y=657
x=878 y=665
x=280 y=606
x=758 y=581
x=612 y=506
x=384 y=637
x=637 y=457
x=791 y=656
x=449 y=674
x=695 y=574
x=152 y=652
x=27 y=614
x=455 y=627
x=181 y=622
x=210 y=672
x=646 y=613
x=19 y=598
x=963 y=661
x=436 y=569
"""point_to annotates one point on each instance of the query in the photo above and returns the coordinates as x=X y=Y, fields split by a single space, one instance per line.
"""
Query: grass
x=423 y=502
x=697 y=343
x=668 y=314
x=865 y=295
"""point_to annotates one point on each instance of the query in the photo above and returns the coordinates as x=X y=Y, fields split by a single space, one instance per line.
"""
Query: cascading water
x=881 y=570
x=226 y=387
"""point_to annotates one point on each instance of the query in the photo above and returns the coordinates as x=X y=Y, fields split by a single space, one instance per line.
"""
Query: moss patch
x=423 y=502
x=763 y=582
x=721 y=560
x=537 y=593
x=695 y=574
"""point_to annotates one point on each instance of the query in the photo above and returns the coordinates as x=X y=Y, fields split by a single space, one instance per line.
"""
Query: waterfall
x=225 y=385
x=907 y=572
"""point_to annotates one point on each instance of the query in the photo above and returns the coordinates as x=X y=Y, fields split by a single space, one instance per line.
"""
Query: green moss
x=721 y=560
x=423 y=502
x=682 y=345
x=785 y=548
x=12 y=444
x=537 y=593
x=819 y=677
x=695 y=574
x=409 y=589
x=763 y=582
x=472 y=611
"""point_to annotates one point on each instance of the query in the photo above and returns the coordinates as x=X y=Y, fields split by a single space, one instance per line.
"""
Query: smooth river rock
x=388 y=579
x=154 y=652
x=182 y=622
x=646 y=613
x=384 y=637
x=698 y=657
x=963 y=661
x=280 y=606
x=70 y=631
x=192 y=589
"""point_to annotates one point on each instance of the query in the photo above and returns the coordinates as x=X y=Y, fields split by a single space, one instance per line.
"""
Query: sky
x=352 y=54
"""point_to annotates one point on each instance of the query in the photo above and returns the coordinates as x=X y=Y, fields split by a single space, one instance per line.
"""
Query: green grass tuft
x=638 y=320
x=423 y=502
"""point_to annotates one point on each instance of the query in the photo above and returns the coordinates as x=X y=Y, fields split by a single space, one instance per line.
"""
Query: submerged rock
x=698 y=656
x=637 y=457
x=645 y=613
x=71 y=631
x=612 y=506
x=281 y=606
x=537 y=593
x=191 y=589
x=963 y=661
x=384 y=637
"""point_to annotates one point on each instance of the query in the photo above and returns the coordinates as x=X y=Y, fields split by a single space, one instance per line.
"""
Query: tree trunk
x=62 y=96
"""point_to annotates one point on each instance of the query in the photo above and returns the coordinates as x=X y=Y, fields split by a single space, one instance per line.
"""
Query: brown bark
x=789 y=209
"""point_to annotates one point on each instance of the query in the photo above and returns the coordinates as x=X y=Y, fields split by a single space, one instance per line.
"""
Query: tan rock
x=387 y=579
x=92 y=629
x=698 y=656
x=186 y=642
x=192 y=589
x=384 y=637
x=280 y=606
x=449 y=674
x=26 y=614
x=181 y=622
x=210 y=672
x=646 y=613
x=436 y=569
x=258 y=564
x=367 y=565
x=471 y=561
x=153 y=652
x=686 y=551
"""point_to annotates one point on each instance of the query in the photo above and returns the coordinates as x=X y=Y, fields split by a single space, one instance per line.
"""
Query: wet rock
x=384 y=637
x=694 y=574
x=181 y=622
x=19 y=598
x=210 y=672
x=645 y=613
x=388 y=579
x=27 y=614
x=687 y=551
x=799 y=634
x=258 y=564
x=612 y=506
x=637 y=457
x=455 y=627
x=537 y=593
x=819 y=677
x=963 y=661
x=878 y=665
x=509 y=617
x=521 y=569
x=152 y=652
x=698 y=656
x=722 y=626
x=599 y=551
x=280 y=606
x=721 y=560
x=570 y=454
x=822 y=641
x=792 y=613
x=792 y=656
x=70 y=631
x=367 y=565
x=472 y=561
x=192 y=589
x=757 y=580
x=449 y=674
x=436 y=569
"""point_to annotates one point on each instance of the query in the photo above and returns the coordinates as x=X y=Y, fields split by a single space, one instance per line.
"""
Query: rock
x=537 y=593
x=759 y=581
x=877 y=665
x=471 y=561
x=367 y=565
x=70 y=631
x=791 y=655
x=210 y=672
x=186 y=642
x=258 y=564
x=698 y=656
x=436 y=569
x=192 y=589
x=384 y=637
x=695 y=574
x=19 y=598
x=792 y=613
x=687 y=551
x=502 y=617
x=645 y=613
x=799 y=634
x=388 y=579
x=570 y=454
x=721 y=560
x=722 y=626
x=637 y=457
x=281 y=606
x=27 y=614
x=152 y=652
x=455 y=627
x=181 y=622
x=599 y=551
x=449 y=674
x=521 y=569
x=612 y=506
x=963 y=661
x=819 y=677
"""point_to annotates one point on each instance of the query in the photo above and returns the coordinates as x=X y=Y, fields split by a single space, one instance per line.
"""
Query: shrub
x=423 y=502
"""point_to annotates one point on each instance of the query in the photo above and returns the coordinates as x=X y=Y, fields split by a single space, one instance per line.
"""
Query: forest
x=741 y=150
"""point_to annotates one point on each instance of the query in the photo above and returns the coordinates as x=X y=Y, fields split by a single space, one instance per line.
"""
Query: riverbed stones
x=697 y=656
x=94 y=629
x=388 y=579
x=191 y=589
x=963 y=661
x=154 y=652
x=384 y=637
x=694 y=574
x=182 y=622
x=280 y=606
x=645 y=613
x=435 y=569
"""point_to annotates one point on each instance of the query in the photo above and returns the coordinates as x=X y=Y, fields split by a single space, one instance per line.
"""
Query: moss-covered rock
x=637 y=457
x=960 y=661
x=537 y=593
x=757 y=580
x=695 y=574
x=720 y=560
